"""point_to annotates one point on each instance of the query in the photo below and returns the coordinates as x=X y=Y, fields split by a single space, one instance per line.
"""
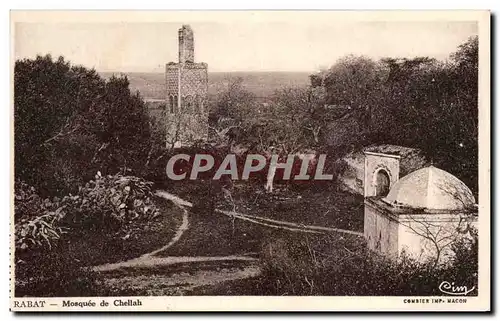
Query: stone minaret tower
x=187 y=87
x=186 y=45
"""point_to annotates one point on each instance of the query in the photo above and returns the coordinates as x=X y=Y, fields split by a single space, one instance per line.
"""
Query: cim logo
x=452 y=289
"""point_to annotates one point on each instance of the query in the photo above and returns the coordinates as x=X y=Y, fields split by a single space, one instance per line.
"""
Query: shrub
x=111 y=202
x=41 y=268
x=336 y=265
x=36 y=219
x=108 y=203
x=39 y=231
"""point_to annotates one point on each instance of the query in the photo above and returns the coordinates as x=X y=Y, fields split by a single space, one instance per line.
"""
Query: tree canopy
x=70 y=123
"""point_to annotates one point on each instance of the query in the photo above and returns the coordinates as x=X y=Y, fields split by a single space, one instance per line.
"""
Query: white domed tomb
x=423 y=213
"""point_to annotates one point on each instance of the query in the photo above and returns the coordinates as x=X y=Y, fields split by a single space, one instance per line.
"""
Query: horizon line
x=218 y=71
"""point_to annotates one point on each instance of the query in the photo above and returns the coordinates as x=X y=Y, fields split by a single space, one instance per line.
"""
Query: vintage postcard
x=250 y=161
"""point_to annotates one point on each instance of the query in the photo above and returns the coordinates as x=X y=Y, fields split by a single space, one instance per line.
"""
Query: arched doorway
x=381 y=171
x=189 y=104
x=382 y=183
x=175 y=104
x=171 y=103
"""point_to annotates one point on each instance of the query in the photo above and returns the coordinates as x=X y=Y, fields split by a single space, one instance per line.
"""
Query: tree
x=70 y=123
x=418 y=102
x=232 y=110
x=354 y=81
x=433 y=106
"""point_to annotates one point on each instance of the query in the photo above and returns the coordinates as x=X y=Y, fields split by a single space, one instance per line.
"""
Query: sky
x=237 y=45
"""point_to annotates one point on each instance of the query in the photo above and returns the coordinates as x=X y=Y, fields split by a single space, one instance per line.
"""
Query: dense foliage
x=419 y=102
x=108 y=203
x=335 y=265
x=70 y=123
x=37 y=220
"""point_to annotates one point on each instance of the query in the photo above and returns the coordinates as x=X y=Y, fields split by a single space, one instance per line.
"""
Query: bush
x=41 y=268
x=107 y=203
x=36 y=219
x=336 y=265
x=111 y=202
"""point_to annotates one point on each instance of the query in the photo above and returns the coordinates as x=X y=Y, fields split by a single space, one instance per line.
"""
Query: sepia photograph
x=168 y=155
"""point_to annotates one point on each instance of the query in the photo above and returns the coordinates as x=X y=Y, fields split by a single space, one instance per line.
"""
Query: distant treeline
x=151 y=85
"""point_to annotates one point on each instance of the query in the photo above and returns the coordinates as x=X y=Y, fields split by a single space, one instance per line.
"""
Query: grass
x=309 y=205
x=287 y=259
x=292 y=263
x=213 y=234
x=299 y=263
x=322 y=207
x=332 y=265
x=96 y=248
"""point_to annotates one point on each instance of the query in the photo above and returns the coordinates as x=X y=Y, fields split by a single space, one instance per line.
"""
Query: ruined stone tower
x=187 y=87
x=186 y=44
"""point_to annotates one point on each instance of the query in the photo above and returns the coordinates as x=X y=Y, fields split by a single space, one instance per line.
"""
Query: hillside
x=152 y=85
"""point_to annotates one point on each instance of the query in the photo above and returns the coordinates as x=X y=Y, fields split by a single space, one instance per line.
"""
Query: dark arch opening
x=189 y=104
x=171 y=104
x=176 y=103
x=382 y=183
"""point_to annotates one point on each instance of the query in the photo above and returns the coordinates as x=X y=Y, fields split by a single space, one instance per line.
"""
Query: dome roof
x=431 y=188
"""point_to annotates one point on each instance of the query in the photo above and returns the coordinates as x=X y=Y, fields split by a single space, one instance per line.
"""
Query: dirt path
x=149 y=259
x=190 y=276
x=155 y=261
x=179 y=283
x=182 y=228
